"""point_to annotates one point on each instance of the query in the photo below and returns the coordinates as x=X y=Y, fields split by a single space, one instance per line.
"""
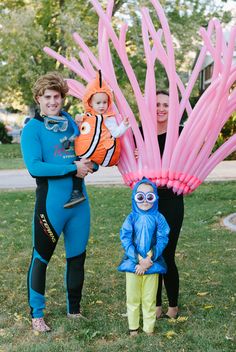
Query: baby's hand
x=79 y=119
x=139 y=270
x=126 y=121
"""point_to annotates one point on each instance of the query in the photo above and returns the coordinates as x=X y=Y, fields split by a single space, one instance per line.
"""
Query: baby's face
x=145 y=196
x=99 y=102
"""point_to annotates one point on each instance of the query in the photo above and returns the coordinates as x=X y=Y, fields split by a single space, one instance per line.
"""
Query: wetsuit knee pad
x=38 y=271
x=74 y=282
x=75 y=271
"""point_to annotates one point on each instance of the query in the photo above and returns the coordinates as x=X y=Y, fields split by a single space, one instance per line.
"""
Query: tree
x=26 y=26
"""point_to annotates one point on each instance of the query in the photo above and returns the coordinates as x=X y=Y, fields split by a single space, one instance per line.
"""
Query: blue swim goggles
x=149 y=197
x=56 y=123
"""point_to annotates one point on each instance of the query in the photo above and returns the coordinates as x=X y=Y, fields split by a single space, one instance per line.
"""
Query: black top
x=161 y=138
x=164 y=192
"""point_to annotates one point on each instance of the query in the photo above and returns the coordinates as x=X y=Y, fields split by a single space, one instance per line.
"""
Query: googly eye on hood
x=154 y=208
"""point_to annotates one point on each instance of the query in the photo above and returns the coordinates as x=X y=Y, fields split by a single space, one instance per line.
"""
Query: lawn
x=206 y=259
x=10 y=157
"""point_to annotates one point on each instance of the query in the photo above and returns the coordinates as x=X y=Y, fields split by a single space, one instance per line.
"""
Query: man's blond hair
x=52 y=80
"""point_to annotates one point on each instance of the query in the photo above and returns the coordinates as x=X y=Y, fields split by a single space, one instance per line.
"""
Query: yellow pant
x=141 y=289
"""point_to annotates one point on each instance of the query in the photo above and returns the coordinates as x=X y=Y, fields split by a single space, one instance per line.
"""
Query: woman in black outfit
x=171 y=206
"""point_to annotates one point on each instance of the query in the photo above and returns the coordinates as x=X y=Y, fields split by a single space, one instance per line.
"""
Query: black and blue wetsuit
x=52 y=165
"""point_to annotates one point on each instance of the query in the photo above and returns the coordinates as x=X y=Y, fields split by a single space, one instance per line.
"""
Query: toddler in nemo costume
x=144 y=236
x=99 y=132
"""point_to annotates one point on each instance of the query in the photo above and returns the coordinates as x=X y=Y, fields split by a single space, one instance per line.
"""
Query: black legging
x=172 y=207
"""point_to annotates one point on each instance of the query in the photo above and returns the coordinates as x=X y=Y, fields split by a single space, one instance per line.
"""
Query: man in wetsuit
x=47 y=144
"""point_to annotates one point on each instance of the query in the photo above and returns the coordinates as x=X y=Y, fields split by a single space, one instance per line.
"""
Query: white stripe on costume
x=96 y=139
x=108 y=156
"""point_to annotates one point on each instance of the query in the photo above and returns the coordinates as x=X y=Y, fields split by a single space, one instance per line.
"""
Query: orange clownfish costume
x=95 y=141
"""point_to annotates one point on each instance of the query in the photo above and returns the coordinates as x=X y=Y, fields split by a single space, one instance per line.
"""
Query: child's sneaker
x=38 y=324
x=76 y=198
x=133 y=333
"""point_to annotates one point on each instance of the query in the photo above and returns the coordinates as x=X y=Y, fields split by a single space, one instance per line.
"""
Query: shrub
x=4 y=138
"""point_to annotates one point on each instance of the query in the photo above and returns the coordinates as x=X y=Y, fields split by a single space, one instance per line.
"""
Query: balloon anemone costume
x=188 y=158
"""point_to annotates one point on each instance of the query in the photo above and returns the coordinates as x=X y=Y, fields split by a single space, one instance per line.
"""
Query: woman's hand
x=136 y=153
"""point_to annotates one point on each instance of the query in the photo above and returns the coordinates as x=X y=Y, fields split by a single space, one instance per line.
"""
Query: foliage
x=27 y=26
x=228 y=130
x=10 y=157
x=4 y=138
x=205 y=253
x=184 y=18
x=46 y=23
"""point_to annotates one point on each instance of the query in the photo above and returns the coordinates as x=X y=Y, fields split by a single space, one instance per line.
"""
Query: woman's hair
x=53 y=81
x=164 y=92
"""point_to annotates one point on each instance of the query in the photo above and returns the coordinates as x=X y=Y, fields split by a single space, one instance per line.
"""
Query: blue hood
x=154 y=208
x=144 y=231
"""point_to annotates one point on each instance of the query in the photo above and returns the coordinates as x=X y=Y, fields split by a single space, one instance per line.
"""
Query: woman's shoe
x=38 y=324
x=159 y=313
x=76 y=316
x=166 y=316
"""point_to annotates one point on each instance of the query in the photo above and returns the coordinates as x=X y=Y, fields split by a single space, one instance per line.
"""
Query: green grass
x=10 y=157
x=205 y=257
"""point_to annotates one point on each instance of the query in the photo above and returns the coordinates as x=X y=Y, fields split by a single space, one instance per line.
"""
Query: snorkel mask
x=56 y=123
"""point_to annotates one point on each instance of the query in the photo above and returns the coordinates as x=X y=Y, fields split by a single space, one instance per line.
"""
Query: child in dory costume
x=99 y=132
x=144 y=236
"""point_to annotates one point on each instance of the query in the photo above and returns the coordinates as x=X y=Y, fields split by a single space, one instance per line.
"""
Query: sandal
x=166 y=316
x=76 y=316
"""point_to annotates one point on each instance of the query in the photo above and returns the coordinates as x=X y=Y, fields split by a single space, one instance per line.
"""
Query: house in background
x=207 y=68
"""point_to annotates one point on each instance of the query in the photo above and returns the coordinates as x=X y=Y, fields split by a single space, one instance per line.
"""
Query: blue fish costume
x=141 y=232
x=144 y=236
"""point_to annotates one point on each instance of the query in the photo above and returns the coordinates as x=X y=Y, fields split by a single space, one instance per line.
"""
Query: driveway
x=17 y=179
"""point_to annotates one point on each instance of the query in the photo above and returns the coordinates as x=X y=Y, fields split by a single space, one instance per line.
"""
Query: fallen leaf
x=17 y=316
x=182 y=319
x=170 y=334
x=202 y=294
x=99 y=302
x=208 y=306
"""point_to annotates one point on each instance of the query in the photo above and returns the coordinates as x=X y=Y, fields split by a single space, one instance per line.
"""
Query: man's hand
x=79 y=119
x=84 y=166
